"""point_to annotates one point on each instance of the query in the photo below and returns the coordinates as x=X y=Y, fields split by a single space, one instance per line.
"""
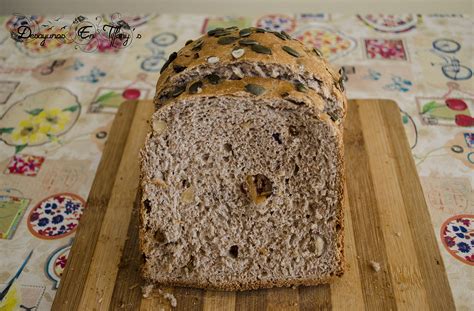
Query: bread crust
x=308 y=61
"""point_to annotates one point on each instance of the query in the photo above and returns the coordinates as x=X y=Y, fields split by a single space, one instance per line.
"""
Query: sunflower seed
x=238 y=53
x=300 y=87
x=196 y=87
x=198 y=45
x=245 y=32
x=290 y=51
x=188 y=42
x=260 y=30
x=279 y=35
x=213 y=31
x=318 y=52
x=213 y=59
x=247 y=42
x=227 y=40
x=286 y=35
x=213 y=78
x=261 y=49
x=255 y=89
x=178 y=68
x=232 y=28
x=177 y=91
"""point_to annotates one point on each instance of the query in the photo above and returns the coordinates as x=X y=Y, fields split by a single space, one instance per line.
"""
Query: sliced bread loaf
x=252 y=52
x=242 y=186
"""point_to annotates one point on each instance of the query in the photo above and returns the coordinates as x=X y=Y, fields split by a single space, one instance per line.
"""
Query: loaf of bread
x=242 y=172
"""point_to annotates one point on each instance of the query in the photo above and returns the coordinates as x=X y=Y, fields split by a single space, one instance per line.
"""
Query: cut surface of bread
x=242 y=190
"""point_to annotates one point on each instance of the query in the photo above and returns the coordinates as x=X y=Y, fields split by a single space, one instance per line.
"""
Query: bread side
x=241 y=191
x=277 y=56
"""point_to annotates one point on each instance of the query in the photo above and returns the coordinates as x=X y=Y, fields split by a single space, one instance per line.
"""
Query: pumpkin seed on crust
x=286 y=35
x=290 y=51
x=213 y=78
x=196 y=87
x=255 y=89
x=261 y=49
x=245 y=32
x=213 y=31
x=279 y=35
x=178 y=90
x=247 y=42
x=178 y=68
x=171 y=58
x=227 y=40
x=198 y=45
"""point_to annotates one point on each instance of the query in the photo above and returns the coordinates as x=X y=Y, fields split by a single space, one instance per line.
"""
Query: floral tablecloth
x=59 y=93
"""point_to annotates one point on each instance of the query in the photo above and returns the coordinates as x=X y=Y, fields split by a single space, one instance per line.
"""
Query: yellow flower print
x=29 y=131
x=54 y=120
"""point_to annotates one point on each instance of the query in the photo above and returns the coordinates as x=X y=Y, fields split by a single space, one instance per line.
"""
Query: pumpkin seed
x=177 y=91
x=198 y=45
x=245 y=32
x=255 y=89
x=221 y=33
x=300 y=87
x=213 y=31
x=286 y=35
x=247 y=42
x=261 y=49
x=238 y=53
x=171 y=58
x=318 y=52
x=213 y=78
x=279 y=35
x=178 y=68
x=213 y=59
x=290 y=51
x=227 y=40
x=196 y=87
x=188 y=42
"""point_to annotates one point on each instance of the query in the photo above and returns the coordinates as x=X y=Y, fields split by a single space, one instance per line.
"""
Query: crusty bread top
x=254 y=86
x=282 y=47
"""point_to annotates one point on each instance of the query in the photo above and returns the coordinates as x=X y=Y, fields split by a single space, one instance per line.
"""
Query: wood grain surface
x=386 y=222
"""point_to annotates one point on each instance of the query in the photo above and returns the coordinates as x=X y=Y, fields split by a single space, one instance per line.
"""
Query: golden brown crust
x=308 y=59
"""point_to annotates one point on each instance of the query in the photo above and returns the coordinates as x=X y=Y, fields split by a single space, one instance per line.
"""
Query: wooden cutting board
x=386 y=221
